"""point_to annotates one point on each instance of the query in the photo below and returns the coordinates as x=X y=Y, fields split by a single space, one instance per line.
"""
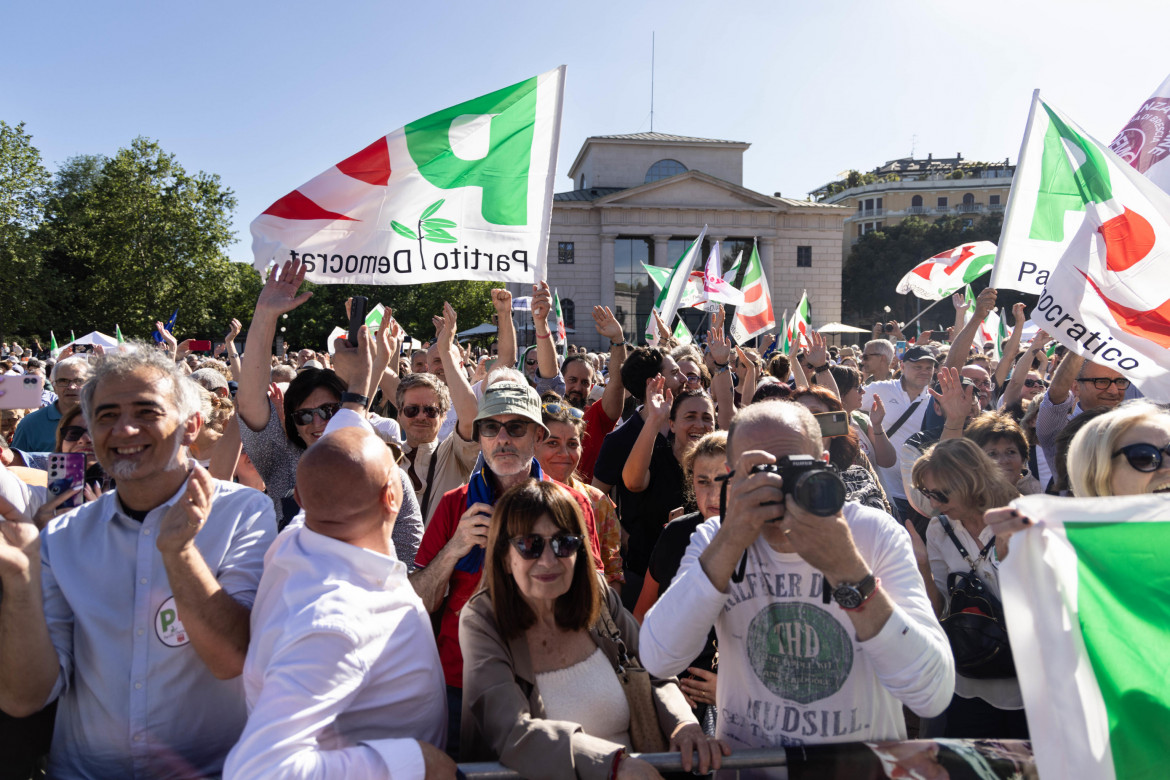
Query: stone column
x=660 y=250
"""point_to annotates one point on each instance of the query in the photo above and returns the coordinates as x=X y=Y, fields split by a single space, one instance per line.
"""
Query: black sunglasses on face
x=491 y=428
x=530 y=362
x=324 y=411
x=413 y=411
x=935 y=495
x=531 y=546
x=73 y=433
x=1034 y=383
x=1103 y=382
x=1143 y=457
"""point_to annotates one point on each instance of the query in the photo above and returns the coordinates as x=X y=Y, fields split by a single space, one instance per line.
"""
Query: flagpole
x=924 y=311
x=1012 y=193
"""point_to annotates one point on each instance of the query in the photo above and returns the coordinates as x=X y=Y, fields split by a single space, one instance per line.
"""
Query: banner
x=1084 y=596
x=1108 y=297
x=1044 y=210
x=755 y=316
x=937 y=277
x=465 y=193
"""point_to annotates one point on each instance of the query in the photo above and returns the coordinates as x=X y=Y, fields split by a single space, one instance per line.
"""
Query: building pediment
x=688 y=190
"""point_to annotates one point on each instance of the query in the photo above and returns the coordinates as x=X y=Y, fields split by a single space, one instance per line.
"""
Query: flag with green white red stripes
x=1084 y=592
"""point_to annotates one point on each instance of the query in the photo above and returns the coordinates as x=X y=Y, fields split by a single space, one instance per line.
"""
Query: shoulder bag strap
x=905 y=416
x=426 y=498
x=946 y=524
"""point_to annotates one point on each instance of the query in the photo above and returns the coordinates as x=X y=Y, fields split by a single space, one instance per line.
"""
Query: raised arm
x=636 y=471
x=745 y=369
x=961 y=345
x=462 y=396
x=546 y=351
x=229 y=350
x=818 y=355
x=614 y=398
x=1015 y=388
x=278 y=296
x=1012 y=346
x=505 y=329
x=955 y=404
x=1065 y=376
x=722 y=389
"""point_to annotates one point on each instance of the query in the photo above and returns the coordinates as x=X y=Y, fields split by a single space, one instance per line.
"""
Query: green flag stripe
x=978 y=267
x=1125 y=620
x=1092 y=177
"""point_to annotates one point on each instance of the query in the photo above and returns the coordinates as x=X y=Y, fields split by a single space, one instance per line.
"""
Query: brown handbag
x=645 y=730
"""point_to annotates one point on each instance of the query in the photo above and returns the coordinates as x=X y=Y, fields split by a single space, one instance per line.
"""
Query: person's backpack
x=974 y=621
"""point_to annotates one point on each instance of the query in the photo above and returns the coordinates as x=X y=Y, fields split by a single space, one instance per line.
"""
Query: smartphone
x=199 y=346
x=357 y=318
x=81 y=349
x=66 y=472
x=900 y=349
x=21 y=392
x=833 y=423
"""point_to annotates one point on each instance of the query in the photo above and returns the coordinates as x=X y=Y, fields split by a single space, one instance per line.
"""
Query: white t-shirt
x=791 y=670
x=897 y=401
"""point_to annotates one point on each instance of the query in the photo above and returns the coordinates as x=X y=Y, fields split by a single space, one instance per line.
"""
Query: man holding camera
x=824 y=627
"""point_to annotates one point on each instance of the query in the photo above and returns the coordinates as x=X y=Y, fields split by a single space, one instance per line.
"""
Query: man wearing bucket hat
x=450 y=559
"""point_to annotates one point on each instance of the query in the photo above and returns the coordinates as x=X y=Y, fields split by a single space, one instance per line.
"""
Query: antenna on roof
x=913 y=145
x=651 y=81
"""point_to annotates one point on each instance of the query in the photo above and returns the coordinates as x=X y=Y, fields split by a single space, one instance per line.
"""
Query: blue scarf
x=479 y=491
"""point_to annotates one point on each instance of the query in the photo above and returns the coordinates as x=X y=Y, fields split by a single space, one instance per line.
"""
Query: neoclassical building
x=642 y=198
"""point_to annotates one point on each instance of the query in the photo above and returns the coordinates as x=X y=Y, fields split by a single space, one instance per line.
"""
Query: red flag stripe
x=371 y=165
x=296 y=205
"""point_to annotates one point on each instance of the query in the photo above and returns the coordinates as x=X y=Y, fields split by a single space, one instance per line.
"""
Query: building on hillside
x=644 y=197
x=928 y=188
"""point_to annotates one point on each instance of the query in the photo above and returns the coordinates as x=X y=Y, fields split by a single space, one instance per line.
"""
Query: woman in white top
x=962 y=483
x=540 y=692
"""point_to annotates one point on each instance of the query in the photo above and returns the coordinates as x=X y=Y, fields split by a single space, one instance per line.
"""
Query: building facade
x=928 y=188
x=643 y=198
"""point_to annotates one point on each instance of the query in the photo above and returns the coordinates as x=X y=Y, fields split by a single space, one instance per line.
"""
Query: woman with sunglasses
x=540 y=690
x=558 y=454
x=1124 y=452
x=962 y=483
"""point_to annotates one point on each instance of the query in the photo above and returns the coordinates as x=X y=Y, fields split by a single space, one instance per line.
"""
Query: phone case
x=21 y=392
x=66 y=472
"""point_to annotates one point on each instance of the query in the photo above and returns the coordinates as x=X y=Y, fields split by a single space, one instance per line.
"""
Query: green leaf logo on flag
x=429 y=228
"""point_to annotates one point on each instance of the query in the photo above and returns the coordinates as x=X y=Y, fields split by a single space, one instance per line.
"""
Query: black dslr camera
x=813 y=484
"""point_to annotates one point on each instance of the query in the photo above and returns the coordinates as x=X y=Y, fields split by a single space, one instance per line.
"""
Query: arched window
x=664 y=169
x=569 y=312
x=916 y=201
x=968 y=199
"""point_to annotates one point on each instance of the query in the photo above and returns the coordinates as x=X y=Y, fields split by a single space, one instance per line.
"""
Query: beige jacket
x=503 y=713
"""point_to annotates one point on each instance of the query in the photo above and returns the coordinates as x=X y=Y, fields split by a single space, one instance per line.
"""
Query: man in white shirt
x=342 y=676
x=906 y=400
x=795 y=669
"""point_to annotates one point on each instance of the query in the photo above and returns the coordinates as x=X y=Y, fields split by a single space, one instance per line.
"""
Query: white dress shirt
x=342 y=675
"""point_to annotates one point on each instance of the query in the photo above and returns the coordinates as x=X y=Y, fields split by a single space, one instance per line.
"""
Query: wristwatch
x=851 y=595
x=355 y=398
x=819 y=369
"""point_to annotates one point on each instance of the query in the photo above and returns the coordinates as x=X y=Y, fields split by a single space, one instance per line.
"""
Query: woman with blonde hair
x=1124 y=452
x=962 y=483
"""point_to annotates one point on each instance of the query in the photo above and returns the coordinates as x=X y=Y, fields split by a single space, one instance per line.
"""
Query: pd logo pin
x=168 y=627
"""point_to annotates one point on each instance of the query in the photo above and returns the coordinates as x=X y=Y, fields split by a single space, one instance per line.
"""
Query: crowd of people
x=373 y=562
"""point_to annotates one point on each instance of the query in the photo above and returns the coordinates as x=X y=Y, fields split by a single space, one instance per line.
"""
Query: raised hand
x=766 y=342
x=186 y=517
x=665 y=334
x=446 y=336
x=20 y=541
x=877 y=411
x=607 y=324
x=502 y=300
x=658 y=399
x=234 y=329
x=959 y=301
x=280 y=293
x=984 y=303
x=541 y=302
x=1018 y=315
x=719 y=345
x=952 y=398
x=818 y=352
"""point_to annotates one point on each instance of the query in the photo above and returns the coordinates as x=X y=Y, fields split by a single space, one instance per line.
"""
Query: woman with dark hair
x=1002 y=439
x=861 y=484
x=310 y=401
x=868 y=426
x=540 y=649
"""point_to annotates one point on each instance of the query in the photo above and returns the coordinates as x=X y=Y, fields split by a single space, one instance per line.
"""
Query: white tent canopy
x=838 y=327
x=478 y=330
x=97 y=337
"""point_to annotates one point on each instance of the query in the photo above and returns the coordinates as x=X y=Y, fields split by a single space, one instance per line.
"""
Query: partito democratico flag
x=1108 y=297
x=937 y=277
x=1044 y=210
x=1084 y=592
x=465 y=193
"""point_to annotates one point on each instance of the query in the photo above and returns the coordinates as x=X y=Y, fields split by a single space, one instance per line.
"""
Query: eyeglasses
x=935 y=495
x=413 y=411
x=1036 y=383
x=530 y=362
x=491 y=428
x=1103 y=382
x=531 y=546
x=324 y=411
x=555 y=408
x=692 y=378
x=865 y=355
x=1143 y=457
x=73 y=433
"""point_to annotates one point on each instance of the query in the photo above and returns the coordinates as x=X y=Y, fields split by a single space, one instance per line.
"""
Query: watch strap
x=355 y=398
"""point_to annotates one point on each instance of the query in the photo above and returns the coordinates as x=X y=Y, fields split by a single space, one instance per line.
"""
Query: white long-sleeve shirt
x=791 y=670
x=342 y=675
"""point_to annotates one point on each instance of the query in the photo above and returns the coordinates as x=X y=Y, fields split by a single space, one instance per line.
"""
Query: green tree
x=881 y=258
x=24 y=183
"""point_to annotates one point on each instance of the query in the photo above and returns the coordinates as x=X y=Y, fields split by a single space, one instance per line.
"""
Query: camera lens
x=820 y=492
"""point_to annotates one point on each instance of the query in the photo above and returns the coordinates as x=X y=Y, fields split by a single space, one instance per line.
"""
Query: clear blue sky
x=267 y=95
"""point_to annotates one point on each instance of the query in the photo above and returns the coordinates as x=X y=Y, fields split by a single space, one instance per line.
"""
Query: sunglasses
x=491 y=428
x=1036 y=383
x=530 y=362
x=1143 y=457
x=1103 y=382
x=531 y=546
x=73 y=433
x=324 y=411
x=414 y=410
x=935 y=495
x=572 y=411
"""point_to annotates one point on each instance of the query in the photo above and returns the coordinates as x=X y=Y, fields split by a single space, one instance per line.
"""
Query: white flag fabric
x=755 y=317
x=1108 y=298
x=1044 y=211
x=465 y=193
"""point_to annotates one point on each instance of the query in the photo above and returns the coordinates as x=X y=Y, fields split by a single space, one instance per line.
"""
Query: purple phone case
x=66 y=472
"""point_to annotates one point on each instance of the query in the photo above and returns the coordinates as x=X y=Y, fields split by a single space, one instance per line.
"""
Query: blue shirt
x=37 y=432
x=134 y=698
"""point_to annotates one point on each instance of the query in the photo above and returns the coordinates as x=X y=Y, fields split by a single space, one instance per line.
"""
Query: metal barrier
x=663 y=762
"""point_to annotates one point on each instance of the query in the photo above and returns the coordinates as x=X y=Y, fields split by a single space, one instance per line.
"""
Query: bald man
x=342 y=676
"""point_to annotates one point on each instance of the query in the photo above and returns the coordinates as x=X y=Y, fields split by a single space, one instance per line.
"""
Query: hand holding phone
x=66 y=473
x=21 y=392
x=357 y=318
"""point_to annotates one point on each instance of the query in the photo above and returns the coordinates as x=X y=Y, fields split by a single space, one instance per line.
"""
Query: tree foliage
x=881 y=258
x=24 y=183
